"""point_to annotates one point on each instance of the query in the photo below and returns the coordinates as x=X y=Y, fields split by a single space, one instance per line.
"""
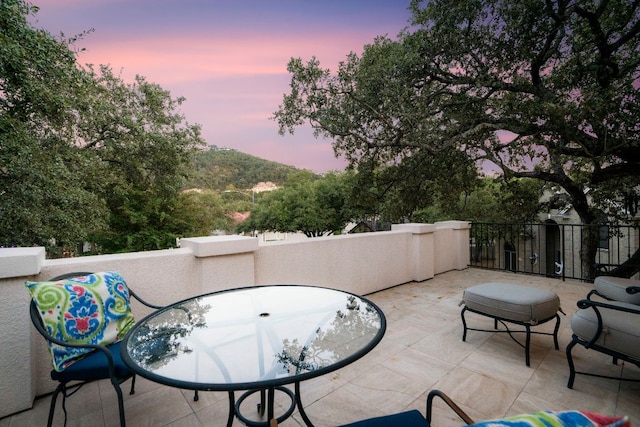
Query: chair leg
x=116 y=385
x=52 y=408
x=133 y=384
x=64 y=404
x=572 y=368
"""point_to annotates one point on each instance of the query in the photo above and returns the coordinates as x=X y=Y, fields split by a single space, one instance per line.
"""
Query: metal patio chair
x=103 y=362
x=608 y=325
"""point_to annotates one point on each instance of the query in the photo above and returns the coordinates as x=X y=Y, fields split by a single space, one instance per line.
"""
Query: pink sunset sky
x=228 y=58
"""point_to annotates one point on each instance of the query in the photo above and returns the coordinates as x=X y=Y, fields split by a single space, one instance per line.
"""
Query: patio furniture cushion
x=91 y=309
x=620 y=331
x=563 y=418
x=94 y=366
x=512 y=302
x=403 y=419
x=535 y=419
x=615 y=288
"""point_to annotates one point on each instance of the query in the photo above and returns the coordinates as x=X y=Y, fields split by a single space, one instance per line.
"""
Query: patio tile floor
x=422 y=350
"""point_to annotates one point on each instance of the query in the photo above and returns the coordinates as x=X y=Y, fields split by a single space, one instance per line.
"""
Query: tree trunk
x=627 y=268
x=589 y=250
x=589 y=238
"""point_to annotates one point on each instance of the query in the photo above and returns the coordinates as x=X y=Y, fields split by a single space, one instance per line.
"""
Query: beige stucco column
x=224 y=261
x=17 y=381
x=421 y=249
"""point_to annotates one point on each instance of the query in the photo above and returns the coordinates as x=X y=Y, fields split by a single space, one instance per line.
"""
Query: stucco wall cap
x=454 y=225
x=414 y=228
x=16 y=262
x=219 y=245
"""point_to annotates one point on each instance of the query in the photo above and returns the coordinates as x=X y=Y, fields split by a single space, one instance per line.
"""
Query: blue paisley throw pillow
x=92 y=309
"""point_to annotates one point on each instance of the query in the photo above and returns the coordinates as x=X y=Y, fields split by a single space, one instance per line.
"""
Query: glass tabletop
x=253 y=338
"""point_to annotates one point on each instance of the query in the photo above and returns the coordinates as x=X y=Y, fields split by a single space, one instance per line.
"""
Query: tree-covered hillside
x=218 y=168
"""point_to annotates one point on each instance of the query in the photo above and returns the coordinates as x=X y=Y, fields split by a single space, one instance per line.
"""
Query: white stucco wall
x=17 y=363
x=350 y=262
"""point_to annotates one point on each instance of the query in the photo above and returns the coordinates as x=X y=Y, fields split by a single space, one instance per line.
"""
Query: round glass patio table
x=254 y=339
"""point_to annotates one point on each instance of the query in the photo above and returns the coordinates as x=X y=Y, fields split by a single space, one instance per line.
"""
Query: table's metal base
x=267 y=402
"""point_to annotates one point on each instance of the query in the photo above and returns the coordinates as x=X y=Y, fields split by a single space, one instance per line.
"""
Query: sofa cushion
x=620 y=329
x=615 y=288
x=92 y=309
x=512 y=302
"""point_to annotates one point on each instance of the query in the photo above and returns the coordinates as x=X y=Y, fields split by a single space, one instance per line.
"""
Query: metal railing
x=551 y=249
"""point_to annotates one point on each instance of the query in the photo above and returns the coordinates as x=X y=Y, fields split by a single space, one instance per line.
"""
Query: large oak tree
x=539 y=89
x=84 y=156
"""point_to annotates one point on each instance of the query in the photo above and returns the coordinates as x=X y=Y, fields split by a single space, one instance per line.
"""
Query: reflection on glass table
x=255 y=339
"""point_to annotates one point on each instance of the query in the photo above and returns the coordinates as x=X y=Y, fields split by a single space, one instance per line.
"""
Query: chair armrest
x=148 y=304
x=633 y=290
x=593 y=292
x=586 y=303
x=86 y=273
x=459 y=412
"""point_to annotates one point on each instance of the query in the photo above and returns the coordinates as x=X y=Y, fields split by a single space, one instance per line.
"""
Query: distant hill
x=217 y=168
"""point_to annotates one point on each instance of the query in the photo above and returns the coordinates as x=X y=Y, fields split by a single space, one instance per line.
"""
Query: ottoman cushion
x=512 y=302
x=620 y=331
x=615 y=288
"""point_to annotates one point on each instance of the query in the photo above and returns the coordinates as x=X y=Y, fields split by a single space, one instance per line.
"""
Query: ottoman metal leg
x=555 y=332
x=527 y=331
x=527 y=346
x=464 y=324
x=509 y=303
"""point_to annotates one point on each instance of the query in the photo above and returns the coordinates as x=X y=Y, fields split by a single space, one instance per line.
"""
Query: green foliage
x=143 y=147
x=396 y=193
x=218 y=169
x=44 y=197
x=84 y=156
x=307 y=204
x=493 y=201
x=201 y=212
x=543 y=90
